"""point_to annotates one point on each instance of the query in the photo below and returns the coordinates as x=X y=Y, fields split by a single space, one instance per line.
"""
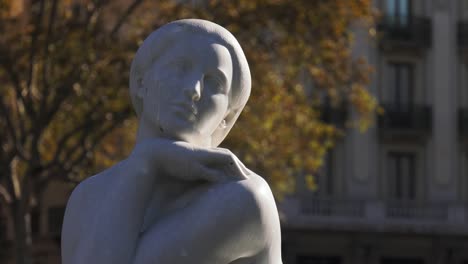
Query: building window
x=401 y=176
x=318 y=260
x=401 y=261
x=56 y=219
x=401 y=85
x=399 y=11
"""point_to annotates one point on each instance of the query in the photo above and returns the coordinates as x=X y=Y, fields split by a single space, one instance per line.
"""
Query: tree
x=64 y=75
x=64 y=102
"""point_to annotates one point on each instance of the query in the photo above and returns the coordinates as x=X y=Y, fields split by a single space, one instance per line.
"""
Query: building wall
x=369 y=223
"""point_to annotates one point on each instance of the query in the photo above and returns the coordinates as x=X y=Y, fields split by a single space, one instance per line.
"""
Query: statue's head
x=190 y=80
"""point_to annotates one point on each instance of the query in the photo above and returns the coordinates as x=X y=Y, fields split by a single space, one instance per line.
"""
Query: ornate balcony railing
x=408 y=31
x=332 y=207
x=409 y=117
x=416 y=210
x=373 y=214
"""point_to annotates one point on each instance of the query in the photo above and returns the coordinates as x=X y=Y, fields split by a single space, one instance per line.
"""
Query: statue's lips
x=186 y=109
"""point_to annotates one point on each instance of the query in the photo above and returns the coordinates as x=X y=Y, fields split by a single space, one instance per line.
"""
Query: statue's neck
x=145 y=131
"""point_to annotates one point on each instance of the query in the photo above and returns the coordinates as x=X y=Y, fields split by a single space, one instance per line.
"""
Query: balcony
x=412 y=32
x=416 y=210
x=373 y=215
x=405 y=121
x=332 y=207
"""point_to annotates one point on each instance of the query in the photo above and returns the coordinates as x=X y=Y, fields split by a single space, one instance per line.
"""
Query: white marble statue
x=178 y=198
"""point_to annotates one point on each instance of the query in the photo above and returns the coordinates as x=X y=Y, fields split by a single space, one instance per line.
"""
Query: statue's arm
x=231 y=221
x=105 y=213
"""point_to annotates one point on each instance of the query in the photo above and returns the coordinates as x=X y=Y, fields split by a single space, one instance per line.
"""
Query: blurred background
x=358 y=118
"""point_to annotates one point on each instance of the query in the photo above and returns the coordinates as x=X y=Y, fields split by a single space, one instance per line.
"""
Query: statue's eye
x=214 y=84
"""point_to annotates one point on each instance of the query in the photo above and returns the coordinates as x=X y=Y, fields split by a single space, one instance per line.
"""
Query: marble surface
x=178 y=197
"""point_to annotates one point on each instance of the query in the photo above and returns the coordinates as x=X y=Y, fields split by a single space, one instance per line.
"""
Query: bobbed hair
x=160 y=41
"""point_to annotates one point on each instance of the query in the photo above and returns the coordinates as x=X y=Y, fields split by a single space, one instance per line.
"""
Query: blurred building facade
x=399 y=192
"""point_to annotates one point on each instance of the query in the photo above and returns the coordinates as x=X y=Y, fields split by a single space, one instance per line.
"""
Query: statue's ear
x=224 y=127
x=231 y=117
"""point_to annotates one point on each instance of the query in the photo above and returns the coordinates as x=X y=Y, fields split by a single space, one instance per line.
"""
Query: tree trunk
x=22 y=230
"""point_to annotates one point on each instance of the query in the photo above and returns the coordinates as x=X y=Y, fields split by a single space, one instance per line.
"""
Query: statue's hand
x=188 y=162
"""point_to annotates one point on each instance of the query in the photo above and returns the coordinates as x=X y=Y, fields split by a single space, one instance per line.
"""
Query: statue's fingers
x=227 y=161
x=212 y=175
x=237 y=168
x=198 y=172
x=232 y=159
x=213 y=156
x=246 y=172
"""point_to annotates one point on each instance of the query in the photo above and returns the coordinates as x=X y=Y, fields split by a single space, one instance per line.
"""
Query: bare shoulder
x=269 y=229
x=258 y=203
x=256 y=196
x=258 y=186
x=269 y=211
x=85 y=190
x=76 y=215
x=90 y=193
x=83 y=200
x=93 y=187
x=259 y=193
x=83 y=197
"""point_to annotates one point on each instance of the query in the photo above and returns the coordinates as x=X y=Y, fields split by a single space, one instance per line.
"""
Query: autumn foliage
x=65 y=111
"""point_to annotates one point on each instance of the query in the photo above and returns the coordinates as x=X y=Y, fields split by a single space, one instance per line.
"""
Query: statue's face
x=187 y=89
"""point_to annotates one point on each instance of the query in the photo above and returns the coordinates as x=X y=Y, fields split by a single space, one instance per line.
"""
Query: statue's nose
x=193 y=90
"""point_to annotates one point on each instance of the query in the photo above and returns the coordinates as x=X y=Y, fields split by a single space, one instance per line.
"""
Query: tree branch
x=9 y=123
x=46 y=67
x=36 y=133
x=88 y=124
x=94 y=141
x=62 y=141
x=10 y=185
x=5 y=194
x=63 y=91
x=64 y=168
x=33 y=50
x=8 y=65
x=5 y=61
x=124 y=17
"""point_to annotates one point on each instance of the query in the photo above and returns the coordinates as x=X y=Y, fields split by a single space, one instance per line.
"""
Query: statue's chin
x=174 y=127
